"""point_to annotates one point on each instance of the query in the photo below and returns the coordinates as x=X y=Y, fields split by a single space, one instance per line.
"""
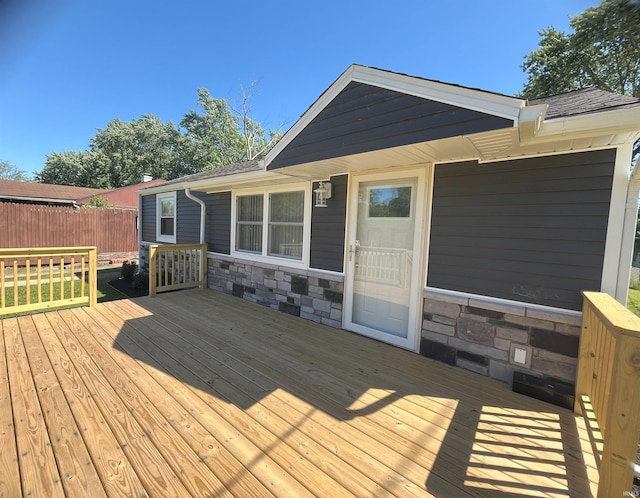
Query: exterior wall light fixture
x=322 y=193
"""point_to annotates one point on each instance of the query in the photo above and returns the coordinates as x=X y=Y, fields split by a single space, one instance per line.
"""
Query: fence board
x=38 y=225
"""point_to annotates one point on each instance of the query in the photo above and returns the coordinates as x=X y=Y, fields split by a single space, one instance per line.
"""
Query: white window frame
x=266 y=206
x=168 y=196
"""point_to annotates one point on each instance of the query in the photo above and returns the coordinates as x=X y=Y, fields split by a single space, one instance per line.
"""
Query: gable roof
x=583 y=101
x=44 y=192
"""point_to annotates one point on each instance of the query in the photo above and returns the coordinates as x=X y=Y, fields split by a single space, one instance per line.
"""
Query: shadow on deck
x=273 y=404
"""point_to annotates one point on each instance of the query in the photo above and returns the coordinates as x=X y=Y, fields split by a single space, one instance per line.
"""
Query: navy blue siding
x=219 y=222
x=328 y=228
x=530 y=230
x=188 y=222
x=364 y=118
x=148 y=218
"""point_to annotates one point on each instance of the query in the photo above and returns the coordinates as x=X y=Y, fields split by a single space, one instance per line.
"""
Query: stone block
x=503 y=344
x=567 y=317
x=434 y=336
x=306 y=301
x=270 y=283
x=324 y=283
x=562 y=371
x=290 y=309
x=476 y=331
x=321 y=305
x=333 y=296
x=563 y=344
x=444 y=320
x=563 y=328
x=472 y=357
x=434 y=307
x=336 y=314
x=473 y=367
x=486 y=313
x=437 y=351
x=284 y=286
x=299 y=285
x=331 y=323
x=306 y=309
x=309 y=316
x=279 y=275
x=480 y=349
x=501 y=371
x=438 y=328
x=516 y=335
x=548 y=355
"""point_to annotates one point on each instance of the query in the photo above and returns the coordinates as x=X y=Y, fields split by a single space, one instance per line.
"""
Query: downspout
x=203 y=211
x=629 y=230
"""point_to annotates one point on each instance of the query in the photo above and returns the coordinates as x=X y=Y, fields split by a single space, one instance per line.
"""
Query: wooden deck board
x=201 y=394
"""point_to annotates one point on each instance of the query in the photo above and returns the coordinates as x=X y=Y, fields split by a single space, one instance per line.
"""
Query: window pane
x=286 y=216
x=287 y=207
x=286 y=240
x=249 y=208
x=249 y=237
x=167 y=208
x=166 y=226
x=390 y=202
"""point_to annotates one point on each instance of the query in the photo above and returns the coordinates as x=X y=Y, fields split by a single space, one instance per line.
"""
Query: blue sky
x=69 y=67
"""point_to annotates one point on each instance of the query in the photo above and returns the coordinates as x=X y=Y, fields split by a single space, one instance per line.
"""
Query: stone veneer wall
x=480 y=335
x=309 y=294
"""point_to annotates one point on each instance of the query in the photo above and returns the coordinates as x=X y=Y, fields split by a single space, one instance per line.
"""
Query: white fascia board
x=586 y=125
x=476 y=100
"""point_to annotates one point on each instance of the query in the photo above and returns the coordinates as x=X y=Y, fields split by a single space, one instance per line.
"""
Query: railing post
x=203 y=266
x=152 y=270
x=623 y=419
x=93 y=276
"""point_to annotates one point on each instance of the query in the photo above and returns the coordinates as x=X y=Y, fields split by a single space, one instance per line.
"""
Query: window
x=166 y=217
x=271 y=224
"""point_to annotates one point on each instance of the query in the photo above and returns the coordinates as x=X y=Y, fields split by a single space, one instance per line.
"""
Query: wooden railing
x=43 y=278
x=177 y=266
x=608 y=389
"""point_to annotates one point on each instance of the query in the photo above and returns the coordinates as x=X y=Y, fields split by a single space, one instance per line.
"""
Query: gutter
x=203 y=211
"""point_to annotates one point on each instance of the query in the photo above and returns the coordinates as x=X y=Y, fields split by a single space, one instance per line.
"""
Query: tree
x=212 y=137
x=256 y=142
x=10 y=172
x=602 y=51
x=80 y=169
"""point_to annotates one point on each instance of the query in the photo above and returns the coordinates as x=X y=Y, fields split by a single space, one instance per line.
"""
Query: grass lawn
x=105 y=291
x=633 y=301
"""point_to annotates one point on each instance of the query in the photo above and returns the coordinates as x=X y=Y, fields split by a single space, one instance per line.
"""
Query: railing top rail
x=44 y=251
x=617 y=318
x=174 y=247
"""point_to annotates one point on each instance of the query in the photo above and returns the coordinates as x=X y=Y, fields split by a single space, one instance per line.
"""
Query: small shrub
x=161 y=281
x=140 y=281
x=128 y=270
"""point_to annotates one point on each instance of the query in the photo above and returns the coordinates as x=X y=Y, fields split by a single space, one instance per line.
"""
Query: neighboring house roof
x=583 y=101
x=232 y=169
x=123 y=197
x=44 y=192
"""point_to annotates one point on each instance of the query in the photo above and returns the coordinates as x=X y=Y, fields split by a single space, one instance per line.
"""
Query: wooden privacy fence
x=34 y=225
x=43 y=278
x=177 y=266
x=608 y=389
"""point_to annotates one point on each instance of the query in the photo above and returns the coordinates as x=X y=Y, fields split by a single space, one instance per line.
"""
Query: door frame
x=412 y=341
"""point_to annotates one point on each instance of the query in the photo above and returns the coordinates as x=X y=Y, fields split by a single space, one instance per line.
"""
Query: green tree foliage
x=602 y=51
x=98 y=201
x=10 y=172
x=118 y=155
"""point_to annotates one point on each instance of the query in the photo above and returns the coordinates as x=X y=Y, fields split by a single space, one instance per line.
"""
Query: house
x=451 y=221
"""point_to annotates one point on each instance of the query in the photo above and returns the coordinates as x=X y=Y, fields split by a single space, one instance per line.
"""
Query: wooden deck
x=196 y=393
